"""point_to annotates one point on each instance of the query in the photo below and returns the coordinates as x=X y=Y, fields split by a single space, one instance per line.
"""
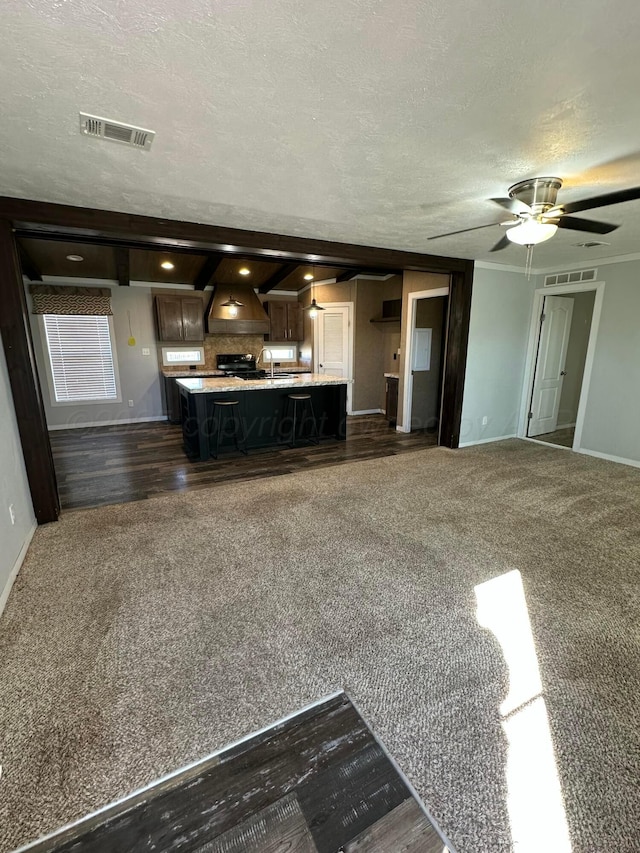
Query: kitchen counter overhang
x=263 y=405
x=216 y=385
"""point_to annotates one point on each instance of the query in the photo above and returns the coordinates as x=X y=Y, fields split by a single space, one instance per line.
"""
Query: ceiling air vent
x=570 y=277
x=116 y=131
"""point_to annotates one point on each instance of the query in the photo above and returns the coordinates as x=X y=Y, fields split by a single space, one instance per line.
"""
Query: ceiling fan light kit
x=537 y=215
x=531 y=232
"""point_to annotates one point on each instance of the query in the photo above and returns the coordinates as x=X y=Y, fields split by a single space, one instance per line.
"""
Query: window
x=171 y=356
x=280 y=353
x=80 y=357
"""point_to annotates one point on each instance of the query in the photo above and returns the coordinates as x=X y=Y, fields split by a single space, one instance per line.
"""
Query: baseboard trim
x=621 y=460
x=487 y=440
x=565 y=426
x=369 y=412
x=4 y=595
x=110 y=423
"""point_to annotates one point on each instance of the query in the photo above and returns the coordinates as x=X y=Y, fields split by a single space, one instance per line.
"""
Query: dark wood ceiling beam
x=122 y=266
x=347 y=275
x=29 y=267
x=278 y=277
x=88 y=225
x=207 y=271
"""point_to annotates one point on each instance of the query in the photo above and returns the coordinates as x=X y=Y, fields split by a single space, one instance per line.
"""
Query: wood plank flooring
x=317 y=782
x=563 y=437
x=116 y=464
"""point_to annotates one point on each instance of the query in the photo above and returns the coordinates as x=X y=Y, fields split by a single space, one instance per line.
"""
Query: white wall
x=612 y=421
x=139 y=374
x=498 y=335
x=14 y=489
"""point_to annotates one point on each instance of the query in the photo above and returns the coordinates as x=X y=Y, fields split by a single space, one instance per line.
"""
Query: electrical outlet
x=485 y=420
x=146 y=351
x=12 y=514
x=131 y=404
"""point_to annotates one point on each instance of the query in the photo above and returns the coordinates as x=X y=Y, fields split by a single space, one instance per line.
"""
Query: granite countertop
x=392 y=376
x=214 y=385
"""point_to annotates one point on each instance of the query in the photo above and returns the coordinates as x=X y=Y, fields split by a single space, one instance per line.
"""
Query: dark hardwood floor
x=116 y=464
x=318 y=782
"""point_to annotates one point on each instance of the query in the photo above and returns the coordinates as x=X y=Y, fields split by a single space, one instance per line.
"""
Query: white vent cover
x=570 y=277
x=116 y=131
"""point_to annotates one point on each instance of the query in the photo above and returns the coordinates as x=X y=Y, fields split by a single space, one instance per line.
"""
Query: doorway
x=564 y=337
x=425 y=346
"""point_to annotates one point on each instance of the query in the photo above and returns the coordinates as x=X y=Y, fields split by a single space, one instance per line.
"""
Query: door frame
x=350 y=345
x=532 y=349
x=407 y=394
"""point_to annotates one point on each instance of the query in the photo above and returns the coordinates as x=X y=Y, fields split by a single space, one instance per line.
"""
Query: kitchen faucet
x=266 y=349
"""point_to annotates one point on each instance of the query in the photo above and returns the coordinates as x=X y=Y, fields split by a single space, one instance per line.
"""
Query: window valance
x=53 y=299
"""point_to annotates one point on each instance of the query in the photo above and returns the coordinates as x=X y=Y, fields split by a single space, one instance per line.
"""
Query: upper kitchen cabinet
x=286 y=321
x=180 y=318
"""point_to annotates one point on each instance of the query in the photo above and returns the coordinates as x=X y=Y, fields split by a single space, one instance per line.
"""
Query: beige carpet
x=141 y=637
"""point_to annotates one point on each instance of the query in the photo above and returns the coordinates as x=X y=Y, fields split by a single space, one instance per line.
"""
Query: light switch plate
x=146 y=351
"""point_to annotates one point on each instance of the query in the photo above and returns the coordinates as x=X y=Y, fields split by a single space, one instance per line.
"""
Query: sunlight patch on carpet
x=535 y=802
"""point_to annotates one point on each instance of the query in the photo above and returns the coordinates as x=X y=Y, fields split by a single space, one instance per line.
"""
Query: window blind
x=81 y=357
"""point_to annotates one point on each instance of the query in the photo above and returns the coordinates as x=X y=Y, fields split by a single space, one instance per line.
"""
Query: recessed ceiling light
x=308 y=276
x=75 y=258
x=167 y=265
x=244 y=271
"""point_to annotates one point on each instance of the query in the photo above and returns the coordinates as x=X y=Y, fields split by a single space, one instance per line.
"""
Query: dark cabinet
x=172 y=398
x=180 y=318
x=391 y=405
x=286 y=321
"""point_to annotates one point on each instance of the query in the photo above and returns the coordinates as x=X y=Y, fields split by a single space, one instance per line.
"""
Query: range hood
x=251 y=318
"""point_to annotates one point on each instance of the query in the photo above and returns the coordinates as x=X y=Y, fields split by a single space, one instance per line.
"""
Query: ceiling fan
x=536 y=215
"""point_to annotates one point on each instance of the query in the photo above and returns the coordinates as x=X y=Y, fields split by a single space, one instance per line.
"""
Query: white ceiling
x=378 y=122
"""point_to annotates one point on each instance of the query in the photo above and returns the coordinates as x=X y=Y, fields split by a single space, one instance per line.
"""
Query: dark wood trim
x=207 y=271
x=122 y=266
x=29 y=267
x=36 y=219
x=347 y=275
x=460 y=288
x=278 y=277
x=23 y=377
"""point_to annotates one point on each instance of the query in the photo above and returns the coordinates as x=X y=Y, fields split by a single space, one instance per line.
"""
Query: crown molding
x=593 y=262
x=489 y=265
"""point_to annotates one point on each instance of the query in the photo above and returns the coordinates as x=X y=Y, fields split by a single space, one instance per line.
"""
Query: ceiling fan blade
x=463 y=231
x=601 y=200
x=502 y=243
x=512 y=204
x=590 y=225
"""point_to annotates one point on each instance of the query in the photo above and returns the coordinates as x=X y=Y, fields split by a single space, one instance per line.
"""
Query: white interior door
x=552 y=354
x=332 y=343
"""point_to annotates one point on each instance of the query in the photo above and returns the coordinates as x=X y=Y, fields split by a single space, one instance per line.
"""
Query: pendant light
x=313 y=308
x=233 y=305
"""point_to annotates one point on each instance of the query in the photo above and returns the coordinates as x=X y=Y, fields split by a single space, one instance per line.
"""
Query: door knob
x=563 y=373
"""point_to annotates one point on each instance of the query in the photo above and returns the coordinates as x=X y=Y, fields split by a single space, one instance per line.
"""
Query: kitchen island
x=262 y=405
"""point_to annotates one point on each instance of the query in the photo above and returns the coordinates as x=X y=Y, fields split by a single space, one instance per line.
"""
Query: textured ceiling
x=378 y=122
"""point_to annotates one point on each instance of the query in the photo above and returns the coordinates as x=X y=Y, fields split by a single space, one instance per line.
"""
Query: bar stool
x=306 y=412
x=223 y=412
